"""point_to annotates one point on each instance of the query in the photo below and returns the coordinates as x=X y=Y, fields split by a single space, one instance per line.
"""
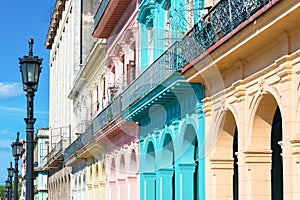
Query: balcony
x=78 y=149
x=223 y=19
x=226 y=18
x=62 y=139
x=108 y=15
x=55 y=156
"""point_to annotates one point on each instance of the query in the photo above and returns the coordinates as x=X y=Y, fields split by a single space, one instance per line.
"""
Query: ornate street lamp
x=8 y=186
x=10 y=171
x=6 y=193
x=30 y=67
x=17 y=151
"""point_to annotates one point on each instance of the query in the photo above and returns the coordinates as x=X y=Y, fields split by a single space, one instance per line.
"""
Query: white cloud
x=16 y=109
x=20 y=110
x=10 y=89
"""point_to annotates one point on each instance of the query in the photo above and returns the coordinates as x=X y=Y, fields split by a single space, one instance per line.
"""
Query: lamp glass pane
x=37 y=71
x=20 y=148
x=11 y=172
x=31 y=72
x=14 y=149
x=24 y=73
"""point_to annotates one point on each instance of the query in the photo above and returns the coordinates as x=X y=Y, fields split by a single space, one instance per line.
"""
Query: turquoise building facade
x=170 y=116
x=171 y=142
x=40 y=155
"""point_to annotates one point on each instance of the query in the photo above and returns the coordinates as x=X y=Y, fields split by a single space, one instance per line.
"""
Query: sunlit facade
x=179 y=100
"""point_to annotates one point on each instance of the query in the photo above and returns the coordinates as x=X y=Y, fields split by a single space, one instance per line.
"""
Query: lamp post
x=10 y=171
x=17 y=151
x=6 y=192
x=30 y=67
x=8 y=186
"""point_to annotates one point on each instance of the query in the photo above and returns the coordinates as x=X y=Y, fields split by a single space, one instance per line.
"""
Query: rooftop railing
x=222 y=19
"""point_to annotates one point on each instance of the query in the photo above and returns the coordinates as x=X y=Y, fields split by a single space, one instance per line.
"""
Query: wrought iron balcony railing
x=80 y=142
x=222 y=19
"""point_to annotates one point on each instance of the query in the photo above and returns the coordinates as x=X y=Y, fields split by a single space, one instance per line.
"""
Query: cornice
x=56 y=17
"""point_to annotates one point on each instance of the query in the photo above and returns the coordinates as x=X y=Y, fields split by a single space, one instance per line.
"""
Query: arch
x=113 y=170
x=103 y=171
x=264 y=138
x=187 y=167
x=83 y=178
x=149 y=140
x=226 y=131
x=150 y=165
x=167 y=153
x=165 y=4
x=223 y=160
x=122 y=167
x=145 y=15
x=166 y=132
x=96 y=171
x=79 y=181
x=187 y=144
x=262 y=122
x=133 y=162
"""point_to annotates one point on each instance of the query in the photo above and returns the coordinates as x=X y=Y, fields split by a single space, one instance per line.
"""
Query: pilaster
x=221 y=180
x=258 y=174
x=184 y=177
x=147 y=186
x=134 y=188
x=164 y=184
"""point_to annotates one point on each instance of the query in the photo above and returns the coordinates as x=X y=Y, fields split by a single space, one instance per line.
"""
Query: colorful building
x=70 y=43
x=40 y=156
x=177 y=100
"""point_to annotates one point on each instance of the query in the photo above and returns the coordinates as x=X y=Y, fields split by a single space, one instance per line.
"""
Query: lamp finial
x=18 y=134
x=31 y=41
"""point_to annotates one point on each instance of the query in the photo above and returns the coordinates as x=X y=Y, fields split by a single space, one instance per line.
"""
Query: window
x=168 y=34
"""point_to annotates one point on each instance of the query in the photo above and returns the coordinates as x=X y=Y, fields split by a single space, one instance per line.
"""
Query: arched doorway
x=223 y=162
x=187 y=169
x=165 y=174
x=266 y=167
x=148 y=176
x=277 y=168
x=132 y=177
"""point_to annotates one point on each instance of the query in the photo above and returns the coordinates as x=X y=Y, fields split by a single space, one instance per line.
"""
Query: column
x=258 y=174
x=123 y=189
x=164 y=184
x=184 y=177
x=96 y=191
x=148 y=186
x=133 y=188
x=222 y=178
x=102 y=190
x=90 y=191
x=113 y=190
x=295 y=146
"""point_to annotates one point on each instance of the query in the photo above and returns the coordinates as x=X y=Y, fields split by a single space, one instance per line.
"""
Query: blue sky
x=20 y=21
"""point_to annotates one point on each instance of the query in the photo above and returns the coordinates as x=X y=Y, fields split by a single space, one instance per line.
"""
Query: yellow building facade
x=252 y=105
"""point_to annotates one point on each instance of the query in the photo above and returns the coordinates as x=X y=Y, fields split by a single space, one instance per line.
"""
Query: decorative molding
x=258 y=156
x=286 y=72
x=221 y=164
x=207 y=107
